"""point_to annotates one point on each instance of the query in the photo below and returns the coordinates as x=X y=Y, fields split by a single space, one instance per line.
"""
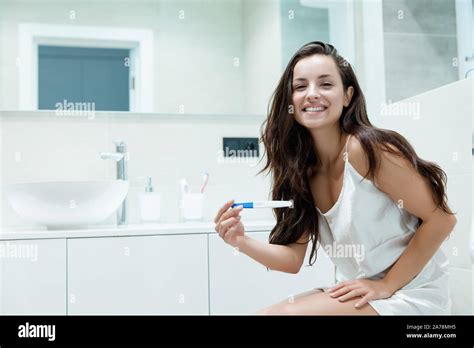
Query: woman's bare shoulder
x=357 y=156
x=360 y=161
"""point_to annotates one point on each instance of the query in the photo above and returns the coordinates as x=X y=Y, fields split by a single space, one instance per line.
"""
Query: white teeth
x=318 y=108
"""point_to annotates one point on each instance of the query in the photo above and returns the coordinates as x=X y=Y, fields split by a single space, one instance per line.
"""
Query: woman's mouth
x=315 y=110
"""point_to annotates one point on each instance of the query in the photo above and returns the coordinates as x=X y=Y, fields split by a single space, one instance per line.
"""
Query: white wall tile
x=54 y=148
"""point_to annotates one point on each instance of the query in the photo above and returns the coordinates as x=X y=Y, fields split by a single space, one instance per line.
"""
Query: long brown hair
x=292 y=161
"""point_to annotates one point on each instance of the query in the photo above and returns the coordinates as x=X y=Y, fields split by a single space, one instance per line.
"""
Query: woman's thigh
x=317 y=302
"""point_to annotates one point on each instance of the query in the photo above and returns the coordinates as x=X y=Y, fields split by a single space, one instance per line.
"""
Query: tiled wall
x=39 y=146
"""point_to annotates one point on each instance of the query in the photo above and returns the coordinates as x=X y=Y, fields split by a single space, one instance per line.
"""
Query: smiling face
x=318 y=92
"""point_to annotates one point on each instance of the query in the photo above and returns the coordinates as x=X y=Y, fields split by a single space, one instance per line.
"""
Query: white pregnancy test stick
x=265 y=204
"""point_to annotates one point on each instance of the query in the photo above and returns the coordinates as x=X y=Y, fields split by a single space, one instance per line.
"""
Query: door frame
x=464 y=34
x=139 y=41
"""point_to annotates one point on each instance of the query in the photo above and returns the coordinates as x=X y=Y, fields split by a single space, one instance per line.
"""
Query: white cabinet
x=181 y=274
x=33 y=277
x=240 y=285
x=165 y=274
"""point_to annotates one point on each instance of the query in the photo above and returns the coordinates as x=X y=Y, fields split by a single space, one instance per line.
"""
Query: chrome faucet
x=122 y=174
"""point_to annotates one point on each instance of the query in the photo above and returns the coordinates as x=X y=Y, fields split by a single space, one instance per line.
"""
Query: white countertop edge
x=130 y=230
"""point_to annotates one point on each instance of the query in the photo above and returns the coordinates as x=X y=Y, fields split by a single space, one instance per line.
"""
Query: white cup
x=192 y=206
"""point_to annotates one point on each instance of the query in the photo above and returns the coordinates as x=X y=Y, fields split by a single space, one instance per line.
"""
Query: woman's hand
x=228 y=224
x=367 y=289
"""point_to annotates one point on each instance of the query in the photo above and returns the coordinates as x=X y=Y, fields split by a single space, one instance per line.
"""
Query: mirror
x=218 y=57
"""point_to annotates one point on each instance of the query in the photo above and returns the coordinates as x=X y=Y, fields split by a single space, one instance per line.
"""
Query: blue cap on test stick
x=248 y=205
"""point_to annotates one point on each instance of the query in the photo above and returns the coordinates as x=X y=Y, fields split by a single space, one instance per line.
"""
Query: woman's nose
x=312 y=93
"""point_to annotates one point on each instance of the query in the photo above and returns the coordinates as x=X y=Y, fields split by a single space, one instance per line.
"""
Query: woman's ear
x=348 y=96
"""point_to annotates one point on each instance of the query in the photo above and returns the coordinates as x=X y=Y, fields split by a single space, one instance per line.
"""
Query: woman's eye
x=327 y=84
x=299 y=87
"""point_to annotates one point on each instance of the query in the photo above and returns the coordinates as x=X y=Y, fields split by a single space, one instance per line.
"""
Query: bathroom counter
x=12 y=233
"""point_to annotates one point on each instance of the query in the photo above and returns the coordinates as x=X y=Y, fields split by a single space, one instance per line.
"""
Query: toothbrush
x=265 y=204
x=205 y=178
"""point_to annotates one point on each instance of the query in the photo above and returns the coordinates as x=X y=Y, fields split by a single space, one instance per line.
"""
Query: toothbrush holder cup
x=192 y=206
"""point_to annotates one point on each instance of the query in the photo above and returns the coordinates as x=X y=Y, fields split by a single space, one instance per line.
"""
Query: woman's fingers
x=351 y=294
x=222 y=210
x=233 y=212
x=364 y=300
x=227 y=218
x=339 y=285
x=343 y=290
x=226 y=225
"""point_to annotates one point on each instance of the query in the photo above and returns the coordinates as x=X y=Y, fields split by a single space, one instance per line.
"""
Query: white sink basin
x=67 y=204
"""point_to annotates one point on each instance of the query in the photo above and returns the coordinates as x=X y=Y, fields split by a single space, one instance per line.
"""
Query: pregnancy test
x=265 y=204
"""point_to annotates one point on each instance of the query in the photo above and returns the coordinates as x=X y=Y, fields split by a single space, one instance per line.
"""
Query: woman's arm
x=283 y=258
x=405 y=186
x=409 y=189
x=421 y=248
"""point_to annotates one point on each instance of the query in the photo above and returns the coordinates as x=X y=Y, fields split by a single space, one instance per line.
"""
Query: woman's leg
x=288 y=300
x=317 y=302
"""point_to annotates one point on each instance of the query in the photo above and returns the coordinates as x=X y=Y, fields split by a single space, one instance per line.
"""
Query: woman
x=352 y=185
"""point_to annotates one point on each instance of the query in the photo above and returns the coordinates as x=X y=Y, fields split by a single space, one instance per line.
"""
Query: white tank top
x=365 y=231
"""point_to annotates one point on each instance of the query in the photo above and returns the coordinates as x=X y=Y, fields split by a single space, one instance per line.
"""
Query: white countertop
x=13 y=233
